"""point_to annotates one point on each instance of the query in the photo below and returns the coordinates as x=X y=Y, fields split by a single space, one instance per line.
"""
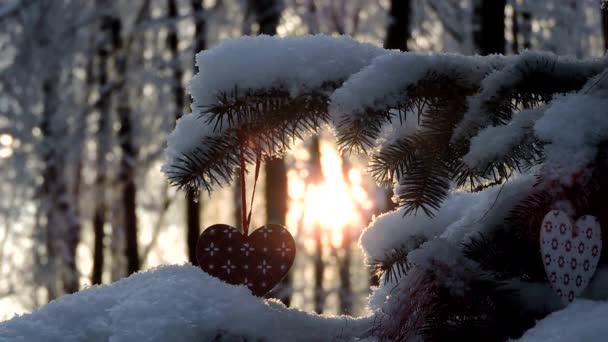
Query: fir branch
x=504 y=255
x=485 y=310
x=394 y=264
x=426 y=171
x=526 y=217
x=393 y=160
x=270 y=120
x=205 y=167
x=529 y=82
x=424 y=186
x=360 y=134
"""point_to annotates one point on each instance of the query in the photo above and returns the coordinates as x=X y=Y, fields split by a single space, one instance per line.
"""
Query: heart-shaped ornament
x=258 y=261
x=570 y=252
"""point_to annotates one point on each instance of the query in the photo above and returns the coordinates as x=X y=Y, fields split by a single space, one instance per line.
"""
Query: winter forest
x=419 y=152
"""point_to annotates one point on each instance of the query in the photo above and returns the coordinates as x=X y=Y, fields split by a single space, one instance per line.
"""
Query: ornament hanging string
x=246 y=218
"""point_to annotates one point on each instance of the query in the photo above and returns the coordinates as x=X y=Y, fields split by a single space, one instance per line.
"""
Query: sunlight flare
x=336 y=203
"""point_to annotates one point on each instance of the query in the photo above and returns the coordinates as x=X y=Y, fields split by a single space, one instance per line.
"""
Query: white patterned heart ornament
x=570 y=252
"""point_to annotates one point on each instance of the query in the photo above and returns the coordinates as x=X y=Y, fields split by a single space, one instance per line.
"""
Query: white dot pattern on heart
x=229 y=266
x=211 y=249
x=264 y=267
x=247 y=249
x=565 y=249
x=283 y=249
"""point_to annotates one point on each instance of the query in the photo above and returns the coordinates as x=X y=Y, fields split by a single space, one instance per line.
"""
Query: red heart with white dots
x=258 y=261
x=570 y=252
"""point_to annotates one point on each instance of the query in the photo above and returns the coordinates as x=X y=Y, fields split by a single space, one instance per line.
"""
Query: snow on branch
x=294 y=64
x=573 y=128
x=509 y=143
x=474 y=117
x=462 y=214
x=530 y=80
x=266 y=89
x=423 y=161
x=512 y=137
x=402 y=82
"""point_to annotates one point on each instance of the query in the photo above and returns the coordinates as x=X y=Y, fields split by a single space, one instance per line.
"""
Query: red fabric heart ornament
x=258 y=261
x=570 y=252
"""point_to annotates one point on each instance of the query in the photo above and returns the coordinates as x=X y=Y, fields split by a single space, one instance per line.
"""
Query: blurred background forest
x=90 y=89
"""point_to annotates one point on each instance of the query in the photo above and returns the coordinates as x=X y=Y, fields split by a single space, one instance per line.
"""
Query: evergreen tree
x=480 y=124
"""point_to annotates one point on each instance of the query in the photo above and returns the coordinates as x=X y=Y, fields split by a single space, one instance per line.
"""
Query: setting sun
x=336 y=203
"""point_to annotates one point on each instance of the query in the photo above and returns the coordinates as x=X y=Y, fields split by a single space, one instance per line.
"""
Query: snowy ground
x=581 y=321
x=175 y=303
x=182 y=303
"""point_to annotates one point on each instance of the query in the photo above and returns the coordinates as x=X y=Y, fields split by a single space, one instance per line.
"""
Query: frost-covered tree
x=44 y=116
x=478 y=150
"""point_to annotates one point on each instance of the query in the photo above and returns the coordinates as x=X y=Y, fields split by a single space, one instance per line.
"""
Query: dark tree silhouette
x=128 y=159
x=398 y=30
x=489 y=26
x=605 y=26
x=316 y=177
x=104 y=130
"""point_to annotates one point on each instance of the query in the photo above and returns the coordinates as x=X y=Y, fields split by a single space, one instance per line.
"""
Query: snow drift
x=175 y=303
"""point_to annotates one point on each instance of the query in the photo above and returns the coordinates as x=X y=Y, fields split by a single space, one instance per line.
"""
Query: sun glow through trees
x=338 y=202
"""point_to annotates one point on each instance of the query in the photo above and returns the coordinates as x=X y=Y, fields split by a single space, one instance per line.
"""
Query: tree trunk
x=193 y=209
x=49 y=189
x=345 y=296
x=62 y=229
x=398 y=30
x=237 y=212
x=489 y=26
x=128 y=157
x=515 y=30
x=316 y=177
x=104 y=131
x=179 y=97
x=526 y=28
x=605 y=27
x=276 y=212
x=267 y=14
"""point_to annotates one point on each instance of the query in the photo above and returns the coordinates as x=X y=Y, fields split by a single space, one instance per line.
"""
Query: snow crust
x=583 y=321
x=175 y=303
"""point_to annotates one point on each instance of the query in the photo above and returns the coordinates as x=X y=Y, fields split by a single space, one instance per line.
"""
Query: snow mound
x=175 y=303
x=583 y=320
